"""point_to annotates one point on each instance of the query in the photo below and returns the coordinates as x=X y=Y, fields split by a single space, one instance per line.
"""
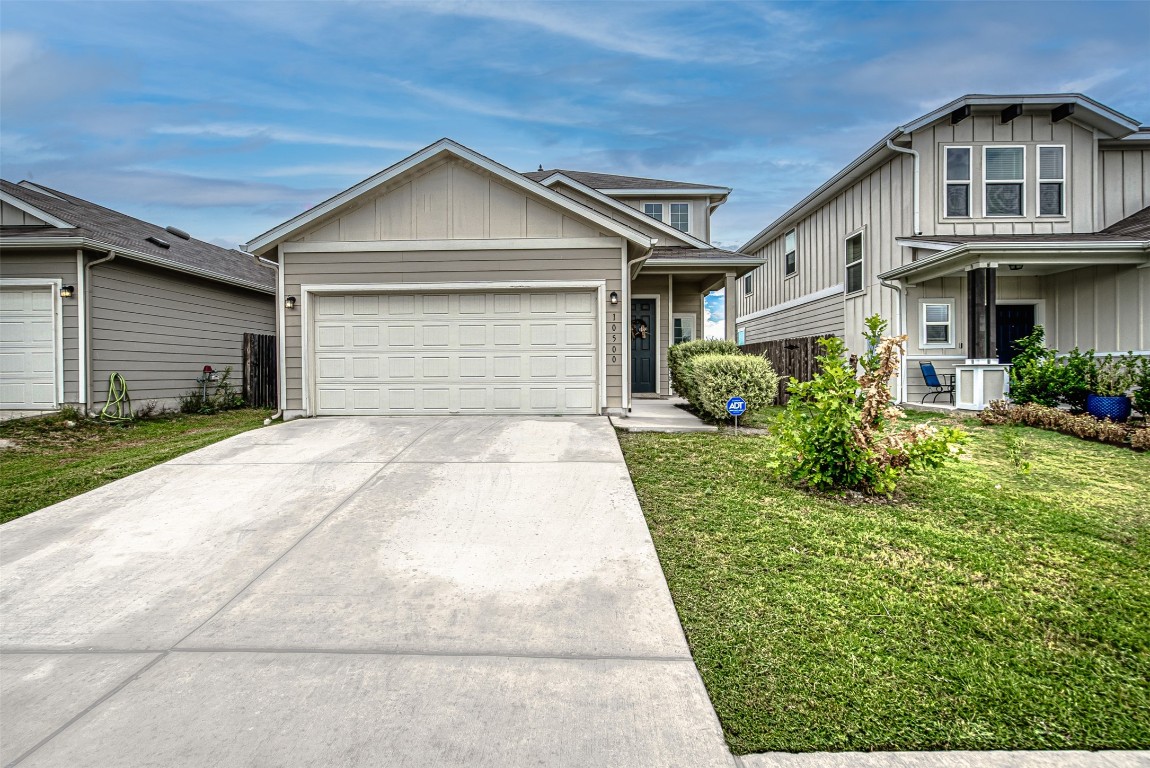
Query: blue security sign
x=736 y=406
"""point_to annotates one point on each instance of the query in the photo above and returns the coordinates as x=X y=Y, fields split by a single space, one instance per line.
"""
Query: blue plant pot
x=1113 y=408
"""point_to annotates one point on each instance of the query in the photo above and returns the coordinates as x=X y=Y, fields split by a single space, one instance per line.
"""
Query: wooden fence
x=789 y=357
x=260 y=389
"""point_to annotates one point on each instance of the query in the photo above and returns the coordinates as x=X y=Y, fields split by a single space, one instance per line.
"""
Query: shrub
x=1036 y=375
x=221 y=397
x=839 y=432
x=720 y=377
x=1078 y=425
x=1140 y=439
x=679 y=358
x=1076 y=379
x=1141 y=373
x=1113 y=377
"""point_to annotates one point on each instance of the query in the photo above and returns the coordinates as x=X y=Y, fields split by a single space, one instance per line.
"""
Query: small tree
x=839 y=431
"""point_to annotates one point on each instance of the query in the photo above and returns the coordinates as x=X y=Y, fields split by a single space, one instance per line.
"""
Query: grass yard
x=50 y=462
x=1002 y=603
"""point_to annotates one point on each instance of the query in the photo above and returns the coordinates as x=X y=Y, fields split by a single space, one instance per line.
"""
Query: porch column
x=981 y=336
x=730 y=305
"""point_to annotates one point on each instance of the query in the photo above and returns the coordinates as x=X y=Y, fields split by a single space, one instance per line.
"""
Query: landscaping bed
x=1000 y=602
x=45 y=460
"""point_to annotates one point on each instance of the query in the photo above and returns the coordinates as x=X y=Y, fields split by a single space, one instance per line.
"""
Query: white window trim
x=922 y=342
x=985 y=183
x=1039 y=181
x=789 y=275
x=694 y=318
x=690 y=224
x=969 y=182
x=860 y=233
x=662 y=210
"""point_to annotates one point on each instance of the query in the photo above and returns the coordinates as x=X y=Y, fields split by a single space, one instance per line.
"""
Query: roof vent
x=178 y=233
x=159 y=242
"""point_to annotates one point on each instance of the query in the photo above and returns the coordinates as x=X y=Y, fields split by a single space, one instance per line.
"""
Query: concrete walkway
x=660 y=415
x=355 y=592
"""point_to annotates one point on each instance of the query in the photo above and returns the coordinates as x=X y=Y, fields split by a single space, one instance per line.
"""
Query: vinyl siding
x=159 y=329
x=700 y=215
x=822 y=317
x=53 y=265
x=635 y=222
x=391 y=267
x=10 y=215
x=1124 y=184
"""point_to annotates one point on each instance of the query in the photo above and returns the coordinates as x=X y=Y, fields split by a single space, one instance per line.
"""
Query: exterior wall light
x=289 y=302
x=67 y=291
x=1015 y=267
x=614 y=297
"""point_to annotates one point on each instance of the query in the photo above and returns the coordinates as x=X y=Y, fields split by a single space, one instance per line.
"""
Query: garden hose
x=119 y=404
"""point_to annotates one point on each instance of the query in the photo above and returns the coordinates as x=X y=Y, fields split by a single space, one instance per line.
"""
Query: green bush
x=1141 y=371
x=222 y=396
x=719 y=377
x=839 y=431
x=679 y=358
x=1036 y=376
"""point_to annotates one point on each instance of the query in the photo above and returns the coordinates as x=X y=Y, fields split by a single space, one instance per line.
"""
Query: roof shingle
x=611 y=181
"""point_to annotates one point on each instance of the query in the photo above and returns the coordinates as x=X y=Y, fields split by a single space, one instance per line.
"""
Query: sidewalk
x=660 y=415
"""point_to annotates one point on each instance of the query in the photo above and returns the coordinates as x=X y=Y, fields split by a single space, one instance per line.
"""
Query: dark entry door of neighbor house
x=642 y=345
x=1014 y=321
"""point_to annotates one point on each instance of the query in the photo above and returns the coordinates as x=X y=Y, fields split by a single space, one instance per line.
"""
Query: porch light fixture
x=67 y=291
x=289 y=302
x=614 y=297
x=1015 y=267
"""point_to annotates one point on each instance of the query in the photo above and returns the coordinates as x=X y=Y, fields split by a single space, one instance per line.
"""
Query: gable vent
x=159 y=242
x=178 y=233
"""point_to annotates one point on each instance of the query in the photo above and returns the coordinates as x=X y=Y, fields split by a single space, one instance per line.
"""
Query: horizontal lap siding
x=823 y=317
x=160 y=329
x=392 y=267
x=48 y=265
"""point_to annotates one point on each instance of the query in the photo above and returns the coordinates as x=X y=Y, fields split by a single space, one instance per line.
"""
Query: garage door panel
x=28 y=359
x=456 y=353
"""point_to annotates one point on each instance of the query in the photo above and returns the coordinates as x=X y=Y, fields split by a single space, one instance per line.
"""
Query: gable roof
x=86 y=224
x=611 y=184
x=559 y=177
x=1113 y=124
x=272 y=237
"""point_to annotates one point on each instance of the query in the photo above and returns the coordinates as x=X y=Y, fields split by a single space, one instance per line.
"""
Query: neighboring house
x=449 y=283
x=965 y=228
x=86 y=291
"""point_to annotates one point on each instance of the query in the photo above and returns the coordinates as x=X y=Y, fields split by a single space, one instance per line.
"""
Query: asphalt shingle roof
x=1133 y=227
x=680 y=252
x=611 y=181
x=118 y=229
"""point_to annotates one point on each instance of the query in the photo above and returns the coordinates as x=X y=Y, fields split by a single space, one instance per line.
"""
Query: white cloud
x=714 y=316
x=283 y=135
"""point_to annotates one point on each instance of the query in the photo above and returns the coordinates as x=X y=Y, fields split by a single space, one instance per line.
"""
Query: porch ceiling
x=1021 y=260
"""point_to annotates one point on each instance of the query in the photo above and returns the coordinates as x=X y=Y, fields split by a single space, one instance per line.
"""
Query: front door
x=1014 y=321
x=642 y=345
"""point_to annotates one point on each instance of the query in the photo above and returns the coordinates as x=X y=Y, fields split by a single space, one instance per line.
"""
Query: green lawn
x=1002 y=603
x=51 y=462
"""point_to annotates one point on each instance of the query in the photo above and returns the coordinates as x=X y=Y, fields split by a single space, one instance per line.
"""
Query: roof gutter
x=917 y=198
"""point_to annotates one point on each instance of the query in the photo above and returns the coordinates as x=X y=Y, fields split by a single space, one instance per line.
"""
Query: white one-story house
x=449 y=283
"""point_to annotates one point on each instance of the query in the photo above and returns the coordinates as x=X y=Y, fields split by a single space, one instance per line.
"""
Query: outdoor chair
x=938 y=385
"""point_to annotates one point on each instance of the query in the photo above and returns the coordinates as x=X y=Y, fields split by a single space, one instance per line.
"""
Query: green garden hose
x=119 y=405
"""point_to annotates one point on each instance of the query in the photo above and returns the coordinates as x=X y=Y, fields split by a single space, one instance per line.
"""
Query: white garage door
x=27 y=348
x=524 y=352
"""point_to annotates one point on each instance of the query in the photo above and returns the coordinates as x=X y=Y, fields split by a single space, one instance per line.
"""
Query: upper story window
x=790 y=260
x=1052 y=181
x=748 y=286
x=654 y=210
x=854 y=263
x=680 y=216
x=958 y=181
x=1004 y=172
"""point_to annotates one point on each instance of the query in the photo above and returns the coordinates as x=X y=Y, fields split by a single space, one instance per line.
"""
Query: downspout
x=900 y=291
x=281 y=378
x=83 y=277
x=917 y=204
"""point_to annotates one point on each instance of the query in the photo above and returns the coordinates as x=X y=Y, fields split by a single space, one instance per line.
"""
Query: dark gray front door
x=642 y=345
x=1013 y=322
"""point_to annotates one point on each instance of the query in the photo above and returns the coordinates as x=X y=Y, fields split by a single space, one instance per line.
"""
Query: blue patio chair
x=938 y=385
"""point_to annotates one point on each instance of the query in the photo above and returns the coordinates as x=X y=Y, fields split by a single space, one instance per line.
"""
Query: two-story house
x=449 y=283
x=965 y=228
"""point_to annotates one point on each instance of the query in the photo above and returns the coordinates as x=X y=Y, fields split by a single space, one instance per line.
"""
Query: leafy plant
x=1141 y=375
x=679 y=358
x=720 y=377
x=1036 y=375
x=1113 y=377
x=223 y=396
x=840 y=432
x=1076 y=377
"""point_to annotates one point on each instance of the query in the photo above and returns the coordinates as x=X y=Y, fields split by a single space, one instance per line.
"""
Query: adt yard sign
x=736 y=406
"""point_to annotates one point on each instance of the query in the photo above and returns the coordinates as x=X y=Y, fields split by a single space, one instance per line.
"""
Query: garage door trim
x=308 y=291
x=54 y=285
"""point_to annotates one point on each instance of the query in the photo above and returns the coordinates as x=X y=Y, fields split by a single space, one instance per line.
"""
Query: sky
x=226 y=118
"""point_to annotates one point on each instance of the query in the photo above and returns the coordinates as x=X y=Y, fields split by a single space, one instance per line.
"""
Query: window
x=958 y=181
x=681 y=216
x=741 y=336
x=1003 y=169
x=654 y=210
x=684 y=328
x=790 y=263
x=1051 y=181
x=937 y=324
x=854 y=263
x=748 y=286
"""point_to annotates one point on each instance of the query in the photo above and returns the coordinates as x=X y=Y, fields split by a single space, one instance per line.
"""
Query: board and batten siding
x=1105 y=308
x=479 y=266
x=52 y=265
x=160 y=328
x=447 y=200
x=1124 y=184
x=636 y=222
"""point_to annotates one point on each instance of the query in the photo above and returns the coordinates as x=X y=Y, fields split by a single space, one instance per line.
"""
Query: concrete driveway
x=441 y=591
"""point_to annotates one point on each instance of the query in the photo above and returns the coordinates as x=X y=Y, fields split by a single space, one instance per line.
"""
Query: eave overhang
x=1067 y=255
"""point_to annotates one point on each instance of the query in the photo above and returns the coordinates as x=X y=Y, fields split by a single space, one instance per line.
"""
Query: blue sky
x=226 y=118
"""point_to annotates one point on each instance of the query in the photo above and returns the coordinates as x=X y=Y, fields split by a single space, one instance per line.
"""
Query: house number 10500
x=614 y=318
